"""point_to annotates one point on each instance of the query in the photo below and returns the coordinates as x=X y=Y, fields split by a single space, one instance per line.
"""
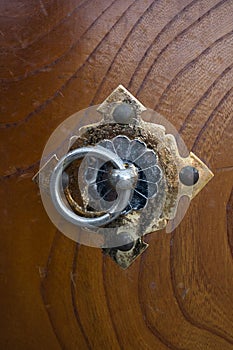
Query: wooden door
x=57 y=57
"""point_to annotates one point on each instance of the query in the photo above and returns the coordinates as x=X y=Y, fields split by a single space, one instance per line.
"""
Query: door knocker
x=112 y=173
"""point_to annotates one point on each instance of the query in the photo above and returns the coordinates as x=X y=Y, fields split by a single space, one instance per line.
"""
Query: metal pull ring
x=135 y=177
x=122 y=187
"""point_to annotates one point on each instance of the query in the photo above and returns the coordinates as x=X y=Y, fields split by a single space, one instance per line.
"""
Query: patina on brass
x=159 y=210
x=169 y=159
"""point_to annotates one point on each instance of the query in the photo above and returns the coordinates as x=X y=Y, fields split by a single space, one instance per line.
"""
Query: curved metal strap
x=56 y=190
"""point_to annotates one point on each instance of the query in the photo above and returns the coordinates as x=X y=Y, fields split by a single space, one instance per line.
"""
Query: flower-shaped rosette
x=102 y=194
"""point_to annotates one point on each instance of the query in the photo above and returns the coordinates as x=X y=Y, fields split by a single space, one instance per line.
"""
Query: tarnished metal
x=150 y=174
x=56 y=188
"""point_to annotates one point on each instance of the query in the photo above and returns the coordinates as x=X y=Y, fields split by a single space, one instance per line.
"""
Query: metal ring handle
x=56 y=190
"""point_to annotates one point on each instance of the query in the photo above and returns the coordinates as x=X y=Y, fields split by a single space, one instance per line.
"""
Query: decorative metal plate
x=126 y=181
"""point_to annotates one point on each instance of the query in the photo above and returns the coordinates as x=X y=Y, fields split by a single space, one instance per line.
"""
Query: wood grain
x=58 y=57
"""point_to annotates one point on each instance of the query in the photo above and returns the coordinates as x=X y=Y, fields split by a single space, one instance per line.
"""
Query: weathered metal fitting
x=110 y=183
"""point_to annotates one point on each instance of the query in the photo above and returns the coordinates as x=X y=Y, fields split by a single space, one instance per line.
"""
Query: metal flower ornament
x=112 y=173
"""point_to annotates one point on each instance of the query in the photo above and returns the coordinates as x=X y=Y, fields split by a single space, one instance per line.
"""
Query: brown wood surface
x=58 y=57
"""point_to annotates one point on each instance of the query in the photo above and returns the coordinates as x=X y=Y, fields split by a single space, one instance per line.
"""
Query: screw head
x=123 y=113
x=189 y=175
x=127 y=241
